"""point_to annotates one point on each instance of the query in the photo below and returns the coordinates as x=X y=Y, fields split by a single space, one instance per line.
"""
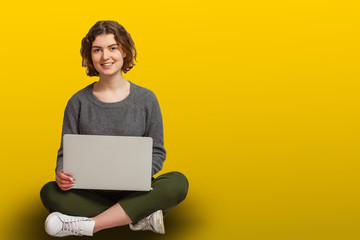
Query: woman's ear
x=123 y=53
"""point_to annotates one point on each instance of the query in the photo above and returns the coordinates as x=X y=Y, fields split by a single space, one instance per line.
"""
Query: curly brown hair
x=122 y=37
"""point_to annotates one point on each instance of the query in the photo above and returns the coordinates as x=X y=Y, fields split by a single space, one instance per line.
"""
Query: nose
x=105 y=54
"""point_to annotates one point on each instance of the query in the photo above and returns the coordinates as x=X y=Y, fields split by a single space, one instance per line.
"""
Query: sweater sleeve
x=154 y=129
x=70 y=126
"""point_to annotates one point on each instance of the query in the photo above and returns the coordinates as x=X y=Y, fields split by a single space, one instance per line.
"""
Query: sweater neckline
x=112 y=104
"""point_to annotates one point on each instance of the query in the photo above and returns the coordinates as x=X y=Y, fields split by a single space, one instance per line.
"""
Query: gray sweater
x=137 y=115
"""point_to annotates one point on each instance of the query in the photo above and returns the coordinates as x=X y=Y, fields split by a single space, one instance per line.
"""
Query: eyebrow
x=107 y=46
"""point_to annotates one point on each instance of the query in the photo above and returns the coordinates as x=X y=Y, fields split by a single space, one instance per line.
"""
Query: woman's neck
x=112 y=83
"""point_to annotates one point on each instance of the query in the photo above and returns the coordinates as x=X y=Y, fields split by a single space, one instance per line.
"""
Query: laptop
x=108 y=162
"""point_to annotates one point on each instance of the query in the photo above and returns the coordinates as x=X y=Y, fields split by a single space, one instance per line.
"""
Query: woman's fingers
x=61 y=181
x=66 y=186
x=64 y=181
x=63 y=176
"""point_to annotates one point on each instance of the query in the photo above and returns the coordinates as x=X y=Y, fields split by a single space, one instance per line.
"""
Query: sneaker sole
x=160 y=222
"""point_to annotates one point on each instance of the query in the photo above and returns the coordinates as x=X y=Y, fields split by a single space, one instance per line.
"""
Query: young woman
x=111 y=106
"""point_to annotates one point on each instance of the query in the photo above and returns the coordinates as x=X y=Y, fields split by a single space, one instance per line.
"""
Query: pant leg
x=169 y=190
x=77 y=202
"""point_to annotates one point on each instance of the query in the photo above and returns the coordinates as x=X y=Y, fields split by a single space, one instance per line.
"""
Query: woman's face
x=106 y=55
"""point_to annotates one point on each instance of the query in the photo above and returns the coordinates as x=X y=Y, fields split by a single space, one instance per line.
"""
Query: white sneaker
x=61 y=225
x=153 y=222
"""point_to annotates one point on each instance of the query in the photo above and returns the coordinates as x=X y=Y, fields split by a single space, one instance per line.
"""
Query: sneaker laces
x=147 y=226
x=72 y=225
x=143 y=224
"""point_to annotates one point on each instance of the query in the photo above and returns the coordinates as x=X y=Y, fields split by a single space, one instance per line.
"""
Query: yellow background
x=260 y=101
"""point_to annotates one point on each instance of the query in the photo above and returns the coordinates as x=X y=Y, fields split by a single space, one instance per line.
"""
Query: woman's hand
x=64 y=181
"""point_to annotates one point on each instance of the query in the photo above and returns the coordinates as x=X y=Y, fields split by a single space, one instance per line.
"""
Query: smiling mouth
x=107 y=64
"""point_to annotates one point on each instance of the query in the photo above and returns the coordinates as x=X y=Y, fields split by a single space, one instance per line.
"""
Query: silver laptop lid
x=108 y=162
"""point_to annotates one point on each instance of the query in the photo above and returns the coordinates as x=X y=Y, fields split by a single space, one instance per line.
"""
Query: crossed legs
x=117 y=208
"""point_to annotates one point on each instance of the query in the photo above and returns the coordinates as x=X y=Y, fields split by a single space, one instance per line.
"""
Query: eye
x=96 y=50
x=113 y=48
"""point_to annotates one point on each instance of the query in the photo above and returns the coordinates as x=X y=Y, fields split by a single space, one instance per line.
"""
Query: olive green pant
x=169 y=190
